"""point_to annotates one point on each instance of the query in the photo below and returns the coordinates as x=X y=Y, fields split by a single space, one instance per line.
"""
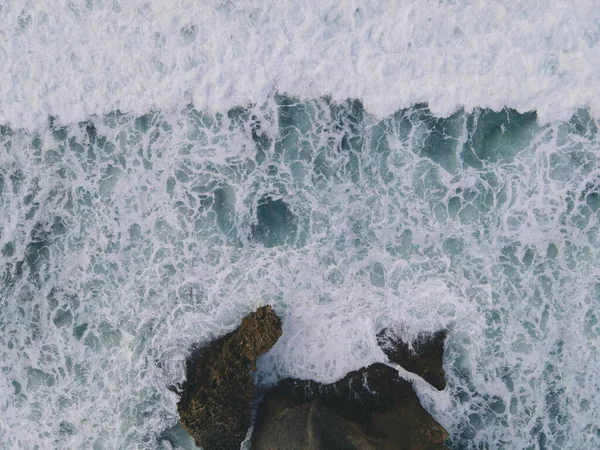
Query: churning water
x=133 y=226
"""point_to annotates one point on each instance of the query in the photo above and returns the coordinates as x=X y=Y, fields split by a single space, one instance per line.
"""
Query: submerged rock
x=369 y=409
x=215 y=401
x=424 y=357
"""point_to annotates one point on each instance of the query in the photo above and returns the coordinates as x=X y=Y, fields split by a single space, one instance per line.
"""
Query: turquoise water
x=124 y=240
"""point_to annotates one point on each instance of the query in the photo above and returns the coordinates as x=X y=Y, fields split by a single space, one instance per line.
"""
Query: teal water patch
x=276 y=224
x=126 y=240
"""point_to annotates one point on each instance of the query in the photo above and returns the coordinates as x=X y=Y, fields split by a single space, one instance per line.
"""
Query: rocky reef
x=369 y=409
x=215 y=399
x=422 y=357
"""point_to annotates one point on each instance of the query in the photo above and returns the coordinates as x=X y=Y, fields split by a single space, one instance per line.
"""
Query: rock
x=369 y=409
x=424 y=358
x=215 y=401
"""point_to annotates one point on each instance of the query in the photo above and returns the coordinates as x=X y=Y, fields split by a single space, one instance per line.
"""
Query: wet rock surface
x=369 y=409
x=215 y=403
x=372 y=408
x=422 y=357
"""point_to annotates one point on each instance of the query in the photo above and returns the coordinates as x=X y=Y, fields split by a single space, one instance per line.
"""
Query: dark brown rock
x=369 y=409
x=424 y=359
x=215 y=402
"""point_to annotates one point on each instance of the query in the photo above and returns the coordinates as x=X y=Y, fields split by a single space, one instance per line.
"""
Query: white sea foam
x=72 y=59
x=126 y=239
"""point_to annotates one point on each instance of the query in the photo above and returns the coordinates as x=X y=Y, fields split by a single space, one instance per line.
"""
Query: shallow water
x=127 y=239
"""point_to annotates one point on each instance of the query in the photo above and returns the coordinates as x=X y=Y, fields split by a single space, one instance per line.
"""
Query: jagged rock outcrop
x=215 y=402
x=369 y=409
x=424 y=358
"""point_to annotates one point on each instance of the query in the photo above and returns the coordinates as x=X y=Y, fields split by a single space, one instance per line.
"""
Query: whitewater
x=166 y=167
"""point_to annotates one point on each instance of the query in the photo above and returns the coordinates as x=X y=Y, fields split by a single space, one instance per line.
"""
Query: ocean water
x=167 y=167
